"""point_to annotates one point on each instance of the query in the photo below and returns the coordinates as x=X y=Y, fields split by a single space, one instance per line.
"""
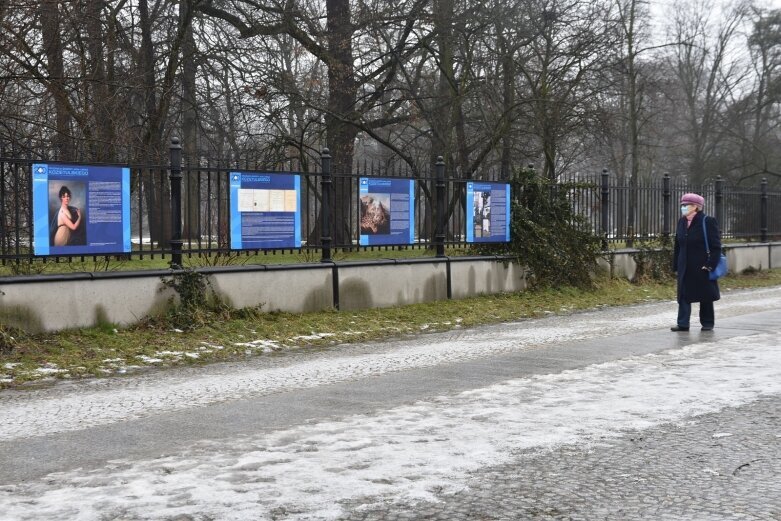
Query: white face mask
x=684 y=210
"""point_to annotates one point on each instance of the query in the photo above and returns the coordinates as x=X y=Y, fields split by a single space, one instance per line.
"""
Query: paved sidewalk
x=720 y=466
x=531 y=419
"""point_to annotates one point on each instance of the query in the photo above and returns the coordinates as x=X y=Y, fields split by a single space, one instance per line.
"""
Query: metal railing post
x=605 y=207
x=326 y=184
x=666 y=206
x=763 y=211
x=175 y=176
x=719 y=209
x=439 y=233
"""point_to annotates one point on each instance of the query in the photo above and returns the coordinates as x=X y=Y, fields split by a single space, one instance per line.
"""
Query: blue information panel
x=265 y=210
x=80 y=209
x=387 y=211
x=488 y=212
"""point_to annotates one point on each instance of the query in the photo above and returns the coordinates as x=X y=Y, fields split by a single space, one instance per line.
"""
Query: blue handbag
x=721 y=268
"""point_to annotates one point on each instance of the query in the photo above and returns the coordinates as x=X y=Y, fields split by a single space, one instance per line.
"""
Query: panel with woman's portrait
x=80 y=209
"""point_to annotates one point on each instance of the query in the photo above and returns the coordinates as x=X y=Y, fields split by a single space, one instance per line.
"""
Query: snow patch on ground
x=149 y=359
x=313 y=336
x=261 y=344
x=413 y=452
x=49 y=369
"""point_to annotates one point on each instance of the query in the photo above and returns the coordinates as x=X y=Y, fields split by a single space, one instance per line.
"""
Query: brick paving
x=723 y=466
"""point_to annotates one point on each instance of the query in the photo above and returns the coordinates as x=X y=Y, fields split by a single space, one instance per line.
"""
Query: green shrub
x=8 y=338
x=197 y=300
x=555 y=244
x=653 y=262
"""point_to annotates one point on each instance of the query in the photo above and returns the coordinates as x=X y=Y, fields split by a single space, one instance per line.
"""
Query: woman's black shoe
x=679 y=328
x=707 y=328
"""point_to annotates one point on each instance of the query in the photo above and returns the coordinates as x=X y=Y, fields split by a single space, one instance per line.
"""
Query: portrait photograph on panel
x=67 y=213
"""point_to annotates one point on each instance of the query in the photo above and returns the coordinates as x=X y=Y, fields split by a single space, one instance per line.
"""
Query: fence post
x=175 y=176
x=763 y=211
x=325 y=211
x=719 y=210
x=439 y=233
x=605 y=207
x=666 y=206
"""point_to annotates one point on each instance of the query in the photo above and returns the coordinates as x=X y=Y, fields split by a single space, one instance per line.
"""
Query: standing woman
x=692 y=263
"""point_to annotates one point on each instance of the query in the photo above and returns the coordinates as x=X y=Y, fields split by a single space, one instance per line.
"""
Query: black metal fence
x=199 y=195
x=621 y=213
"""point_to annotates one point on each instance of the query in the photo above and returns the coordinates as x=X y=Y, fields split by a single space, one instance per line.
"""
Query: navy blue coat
x=689 y=256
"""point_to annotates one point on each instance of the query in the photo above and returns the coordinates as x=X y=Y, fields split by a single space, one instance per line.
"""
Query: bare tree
x=760 y=150
x=631 y=15
x=707 y=76
x=332 y=44
x=560 y=69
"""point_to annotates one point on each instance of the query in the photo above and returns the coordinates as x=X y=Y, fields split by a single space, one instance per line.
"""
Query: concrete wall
x=775 y=256
x=484 y=277
x=60 y=302
x=370 y=285
x=760 y=256
x=48 y=303
x=620 y=264
x=55 y=302
x=274 y=288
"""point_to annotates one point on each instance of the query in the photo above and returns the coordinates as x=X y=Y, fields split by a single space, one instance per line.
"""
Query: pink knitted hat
x=693 y=199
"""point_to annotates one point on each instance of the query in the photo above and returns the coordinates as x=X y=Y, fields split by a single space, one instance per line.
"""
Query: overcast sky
x=661 y=10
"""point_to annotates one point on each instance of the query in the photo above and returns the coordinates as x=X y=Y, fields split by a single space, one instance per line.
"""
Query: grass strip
x=55 y=265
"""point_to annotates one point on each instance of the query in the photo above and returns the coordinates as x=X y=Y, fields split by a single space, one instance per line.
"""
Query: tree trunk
x=155 y=184
x=634 y=116
x=52 y=45
x=191 y=193
x=340 y=132
x=508 y=101
x=102 y=147
x=442 y=111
